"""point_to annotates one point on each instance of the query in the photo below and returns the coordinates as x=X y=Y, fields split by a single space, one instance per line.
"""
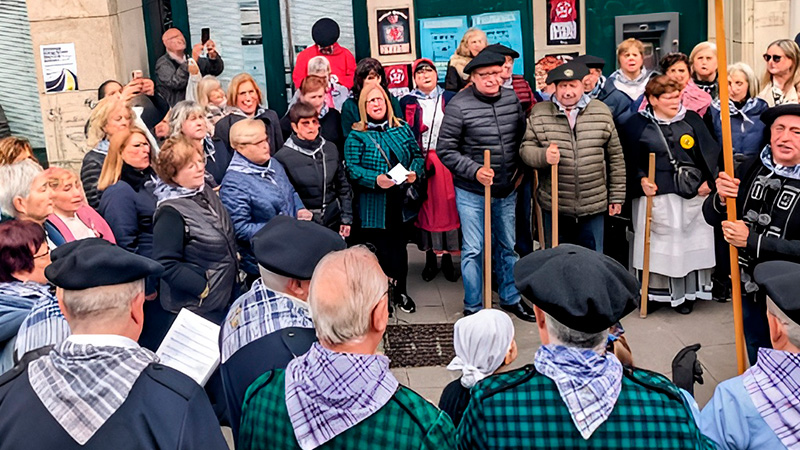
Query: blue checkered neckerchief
x=102 y=147
x=258 y=313
x=243 y=165
x=43 y=326
x=595 y=92
x=792 y=172
x=774 y=387
x=588 y=383
x=327 y=393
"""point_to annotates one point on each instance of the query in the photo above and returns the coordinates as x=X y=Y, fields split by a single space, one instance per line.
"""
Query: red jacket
x=343 y=64
x=524 y=93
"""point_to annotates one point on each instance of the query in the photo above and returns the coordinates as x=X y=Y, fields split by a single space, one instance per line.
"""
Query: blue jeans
x=470 y=211
x=586 y=231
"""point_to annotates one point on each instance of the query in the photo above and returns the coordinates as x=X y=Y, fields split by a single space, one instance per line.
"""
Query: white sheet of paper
x=191 y=346
x=398 y=174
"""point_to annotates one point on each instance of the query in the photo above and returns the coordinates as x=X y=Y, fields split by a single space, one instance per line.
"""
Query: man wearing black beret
x=271 y=324
x=575 y=395
x=99 y=389
x=759 y=409
x=484 y=116
x=767 y=192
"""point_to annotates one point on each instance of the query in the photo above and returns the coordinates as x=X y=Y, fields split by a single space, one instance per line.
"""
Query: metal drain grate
x=419 y=345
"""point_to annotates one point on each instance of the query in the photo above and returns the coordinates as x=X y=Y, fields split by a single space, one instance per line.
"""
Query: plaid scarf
x=774 y=387
x=258 y=313
x=43 y=326
x=749 y=105
x=792 y=172
x=243 y=165
x=208 y=148
x=434 y=94
x=327 y=393
x=588 y=383
x=650 y=114
x=82 y=385
x=164 y=191
x=631 y=88
x=601 y=82
x=238 y=112
x=102 y=147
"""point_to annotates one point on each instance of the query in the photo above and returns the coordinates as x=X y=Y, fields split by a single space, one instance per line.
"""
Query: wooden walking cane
x=554 y=202
x=538 y=210
x=648 y=219
x=727 y=152
x=487 y=235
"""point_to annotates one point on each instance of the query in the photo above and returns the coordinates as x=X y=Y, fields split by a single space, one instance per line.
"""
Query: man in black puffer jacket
x=480 y=117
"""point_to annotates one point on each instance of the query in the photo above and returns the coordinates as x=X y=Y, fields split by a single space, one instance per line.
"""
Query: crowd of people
x=292 y=234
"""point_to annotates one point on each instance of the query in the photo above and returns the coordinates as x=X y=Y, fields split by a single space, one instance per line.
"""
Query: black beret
x=592 y=62
x=581 y=288
x=779 y=279
x=292 y=248
x=501 y=49
x=567 y=72
x=94 y=262
x=773 y=113
x=325 y=32
x=485 y=59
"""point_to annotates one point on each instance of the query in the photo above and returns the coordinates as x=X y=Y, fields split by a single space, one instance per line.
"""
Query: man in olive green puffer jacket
x=578 y=134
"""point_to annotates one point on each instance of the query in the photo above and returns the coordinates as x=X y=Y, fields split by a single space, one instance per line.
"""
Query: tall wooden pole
x=554 y=202
x=487 y=236
x=648 y=220
x=727 y=152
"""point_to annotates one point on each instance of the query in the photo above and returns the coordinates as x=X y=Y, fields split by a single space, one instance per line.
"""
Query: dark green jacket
x=523 y=409
x=407 y=422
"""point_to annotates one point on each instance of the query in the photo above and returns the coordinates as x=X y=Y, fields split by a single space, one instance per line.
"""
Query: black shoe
x=520 y=311
x=685 y=307
x=430 y=270
x=448 y=269
x=405 y=303
x=720 y=291
x=469 y=313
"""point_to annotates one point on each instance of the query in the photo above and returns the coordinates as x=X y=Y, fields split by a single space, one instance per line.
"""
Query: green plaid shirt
x=407 y=422
x=523 y=409
x=364 y=163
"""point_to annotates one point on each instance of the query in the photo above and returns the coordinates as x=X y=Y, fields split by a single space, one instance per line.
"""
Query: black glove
x=686 y=369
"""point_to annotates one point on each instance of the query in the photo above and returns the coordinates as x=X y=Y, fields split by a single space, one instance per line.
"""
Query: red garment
x=90 y=218
x=438 y=213
x=343 y=64
x=524 y=93
x=692 y=98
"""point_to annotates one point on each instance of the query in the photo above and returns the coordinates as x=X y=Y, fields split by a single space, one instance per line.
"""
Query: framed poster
x=438 y=39
x=563 y=22
x=503 y=28
x=394 y=32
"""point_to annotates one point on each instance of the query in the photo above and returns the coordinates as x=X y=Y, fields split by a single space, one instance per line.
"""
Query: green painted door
x=600 y=23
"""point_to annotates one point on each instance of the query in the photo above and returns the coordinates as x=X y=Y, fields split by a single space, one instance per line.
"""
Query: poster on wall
x=394 y=32
x=563 y=22
x=438 y=39
x=59 y=67
x=398 y=79
x=503 y=28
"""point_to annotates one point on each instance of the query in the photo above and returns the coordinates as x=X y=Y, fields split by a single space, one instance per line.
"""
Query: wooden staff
x=487 y=235
x=727 y=152
x=554 y=202
x=538 y=210
x=648 y=219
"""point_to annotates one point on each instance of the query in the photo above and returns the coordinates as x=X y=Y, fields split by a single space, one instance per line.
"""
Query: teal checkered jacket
x=364 y=163
x=407 y=422
x=523 y=409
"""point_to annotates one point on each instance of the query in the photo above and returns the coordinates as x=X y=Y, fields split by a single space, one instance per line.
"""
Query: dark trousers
x=756 y=327
x=389 y=243
x=586 y=231
x=524 y=211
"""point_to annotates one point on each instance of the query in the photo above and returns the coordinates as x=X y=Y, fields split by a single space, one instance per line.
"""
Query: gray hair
x=15 y=181
x=747 y=71
x=354 y=284
x=181 y=113
x=566 y=336
x=101 y=301
x=273 y=281
x=791 y=327
x=319 y=65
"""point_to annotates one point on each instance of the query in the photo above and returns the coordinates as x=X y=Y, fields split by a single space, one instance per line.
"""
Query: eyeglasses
x=776 y=58
x=47 y=252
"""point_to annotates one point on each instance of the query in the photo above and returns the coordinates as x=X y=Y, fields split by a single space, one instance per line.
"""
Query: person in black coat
x=98 y=388
x=312 y=92
x=173 y=67
x=245 y=99
x=316 y=170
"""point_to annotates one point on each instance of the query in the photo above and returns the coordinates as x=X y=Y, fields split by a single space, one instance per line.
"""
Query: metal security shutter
x=19 y=92
x=305 y=12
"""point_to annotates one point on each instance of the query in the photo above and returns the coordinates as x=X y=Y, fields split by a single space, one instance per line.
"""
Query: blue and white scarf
x=773 y=384
x=237 y=111
x=43 y=326
x=595 y=92
x=164 y=191
x=258 y=313
x=792 y=172
x=16 y=301
x=589 y=383
x=323 y=111
x=650 y=114
x=208 y=148
x=434 y=94
x=632 y=88
x=327 y=393
x=243 y=165
x=748 y=105
x=102 y=147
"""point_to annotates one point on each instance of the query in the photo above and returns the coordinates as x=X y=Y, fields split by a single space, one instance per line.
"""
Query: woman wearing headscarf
x=109 y=117
x=72 y=216
x=484 y=343
x=473 y=41
x=379 y=143
x=369 y=71
x=438 y=220
x=781 y=79
x=189 y=119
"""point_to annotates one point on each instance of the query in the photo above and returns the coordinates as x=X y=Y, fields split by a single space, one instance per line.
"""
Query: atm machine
x=658 y=32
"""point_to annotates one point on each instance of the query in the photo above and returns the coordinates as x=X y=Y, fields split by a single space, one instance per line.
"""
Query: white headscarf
x=482 y=341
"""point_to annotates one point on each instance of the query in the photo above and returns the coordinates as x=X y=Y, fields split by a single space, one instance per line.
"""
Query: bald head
x=174 y=41
x=344 y=290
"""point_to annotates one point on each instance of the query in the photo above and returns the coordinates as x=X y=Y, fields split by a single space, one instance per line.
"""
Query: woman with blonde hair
x=111 y=116
x=703 y=63
x=14 y=149
x=72 y=216
x=473 y=41
x=212 y=97
x=781 y=80
x=245 y=101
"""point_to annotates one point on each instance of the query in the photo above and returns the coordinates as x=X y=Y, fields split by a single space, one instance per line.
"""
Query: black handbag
x=687 y=178
x=414 y=194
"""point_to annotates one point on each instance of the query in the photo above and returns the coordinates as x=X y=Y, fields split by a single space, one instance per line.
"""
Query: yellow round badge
x=687 y=142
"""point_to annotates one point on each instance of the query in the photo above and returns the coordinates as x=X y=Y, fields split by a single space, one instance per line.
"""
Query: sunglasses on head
x=776 y=58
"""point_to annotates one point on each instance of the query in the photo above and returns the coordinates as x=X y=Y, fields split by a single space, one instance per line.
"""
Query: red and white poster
x=398 y=79
x=563 y=22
